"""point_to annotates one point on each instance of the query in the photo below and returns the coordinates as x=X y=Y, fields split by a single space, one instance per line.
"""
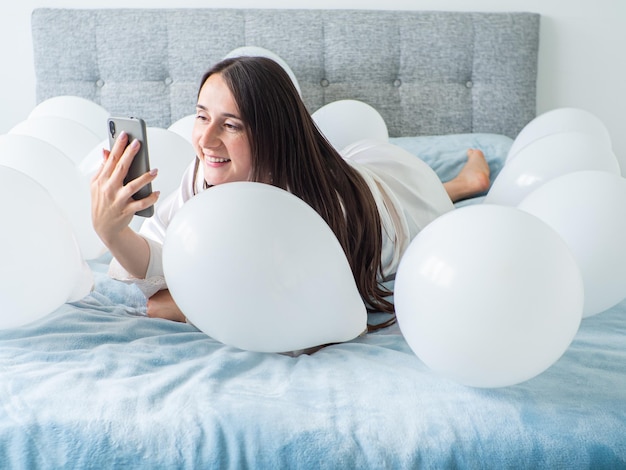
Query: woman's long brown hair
x=289 y=151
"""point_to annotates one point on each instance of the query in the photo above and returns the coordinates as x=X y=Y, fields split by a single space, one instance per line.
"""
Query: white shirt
x=408 y=194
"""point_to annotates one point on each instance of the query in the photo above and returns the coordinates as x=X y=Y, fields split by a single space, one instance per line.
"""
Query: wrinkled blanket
x=96 y=384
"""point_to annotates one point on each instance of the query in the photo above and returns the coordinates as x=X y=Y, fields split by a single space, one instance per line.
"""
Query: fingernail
x=154 y=171
x=134 y=144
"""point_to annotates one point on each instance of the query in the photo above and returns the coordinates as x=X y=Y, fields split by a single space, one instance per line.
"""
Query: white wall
x=581 y=58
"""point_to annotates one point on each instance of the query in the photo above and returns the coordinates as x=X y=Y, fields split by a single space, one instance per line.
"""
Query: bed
x=97 y=384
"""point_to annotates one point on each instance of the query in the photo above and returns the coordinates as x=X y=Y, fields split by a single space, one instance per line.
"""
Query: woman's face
x=219 y=135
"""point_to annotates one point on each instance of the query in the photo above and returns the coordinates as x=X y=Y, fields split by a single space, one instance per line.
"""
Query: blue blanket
x=96 y=384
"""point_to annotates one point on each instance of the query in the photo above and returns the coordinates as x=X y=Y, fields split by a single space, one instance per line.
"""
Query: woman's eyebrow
x=204 y=108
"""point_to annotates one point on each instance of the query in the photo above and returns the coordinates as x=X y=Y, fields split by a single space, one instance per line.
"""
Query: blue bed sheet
x=96 y=384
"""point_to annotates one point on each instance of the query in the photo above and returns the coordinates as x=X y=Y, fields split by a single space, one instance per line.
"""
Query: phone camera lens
x=112 y=128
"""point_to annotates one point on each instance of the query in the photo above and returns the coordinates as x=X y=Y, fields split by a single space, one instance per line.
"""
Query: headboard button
x=99 y=83
x=168 y=80
x=469 y=84
x=397 y=83
x=324 y=82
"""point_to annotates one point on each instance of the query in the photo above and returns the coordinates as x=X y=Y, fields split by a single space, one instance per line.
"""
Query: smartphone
x=136 y=129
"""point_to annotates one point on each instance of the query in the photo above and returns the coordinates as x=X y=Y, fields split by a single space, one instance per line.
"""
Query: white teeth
x=217 y=160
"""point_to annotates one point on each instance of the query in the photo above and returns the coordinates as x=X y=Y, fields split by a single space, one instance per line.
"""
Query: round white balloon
x=588 y=210
x=48 y=166
x=41 y=262
x=83 y=284
x=488 y=295
x=86 y=112
x=171 y=154
x=255 y=267
x=561 y=120
x=90 y=164
x=547 y=158
x=345 y=122
x=254 y=51
x=184 y=126
x=70 y=137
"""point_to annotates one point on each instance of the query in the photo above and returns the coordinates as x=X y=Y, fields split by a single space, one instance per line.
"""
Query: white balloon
x=86 y=112
x=83 y=285
x=41 y=262
x=254 y=51
x=588 y=210
x=488 y=296
x=344 y=122
x=48 y=166
x=90 y=164
x=70 y=137
x=171 y=154
x=547 y=158
x=561 y=120
x=184 y=126
x=255 y=267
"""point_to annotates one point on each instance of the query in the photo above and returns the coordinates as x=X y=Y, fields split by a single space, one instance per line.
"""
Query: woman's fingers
x=111 y=182
x=117 y=161
x=124 y=194
x=135 y=185
x=112 y=157
x=142 y=180
x=141 y=204
x=122 y=164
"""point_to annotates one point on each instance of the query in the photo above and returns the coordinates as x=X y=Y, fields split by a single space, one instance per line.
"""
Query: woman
x=251 y=125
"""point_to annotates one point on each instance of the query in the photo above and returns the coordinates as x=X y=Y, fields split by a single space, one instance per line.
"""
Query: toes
x=475 y=152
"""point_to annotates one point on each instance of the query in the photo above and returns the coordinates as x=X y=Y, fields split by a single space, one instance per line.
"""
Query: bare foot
x=473 y=178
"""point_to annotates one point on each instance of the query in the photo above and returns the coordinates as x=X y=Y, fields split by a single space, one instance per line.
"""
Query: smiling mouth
x=217 y=160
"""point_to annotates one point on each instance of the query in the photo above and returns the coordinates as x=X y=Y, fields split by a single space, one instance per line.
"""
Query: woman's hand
x=112 y=204
x=113 y=207
x=162 y=305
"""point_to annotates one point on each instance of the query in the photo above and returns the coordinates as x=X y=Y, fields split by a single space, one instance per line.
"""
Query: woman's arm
x=113 y=207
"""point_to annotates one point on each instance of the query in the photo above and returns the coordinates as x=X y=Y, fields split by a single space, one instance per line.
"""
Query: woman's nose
x=210 y=136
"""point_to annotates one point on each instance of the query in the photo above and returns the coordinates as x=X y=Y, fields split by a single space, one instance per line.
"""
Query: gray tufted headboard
x=426 y=72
